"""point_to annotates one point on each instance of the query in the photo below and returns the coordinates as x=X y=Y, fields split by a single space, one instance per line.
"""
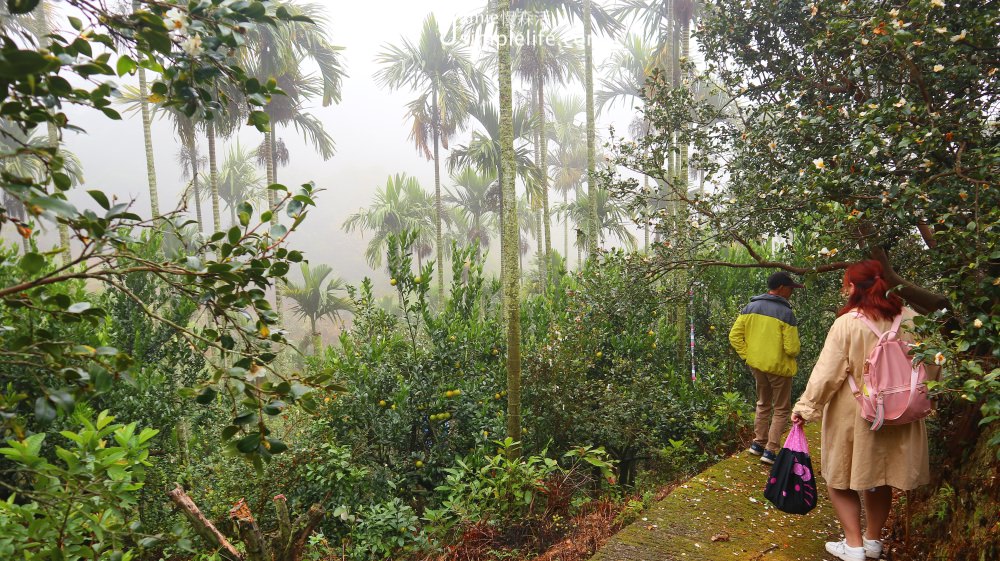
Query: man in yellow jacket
x=766 y=336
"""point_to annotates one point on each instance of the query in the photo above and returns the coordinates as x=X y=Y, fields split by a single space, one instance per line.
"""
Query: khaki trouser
x=774 y=394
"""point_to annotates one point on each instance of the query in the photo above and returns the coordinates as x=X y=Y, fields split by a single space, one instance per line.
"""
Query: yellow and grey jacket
x=766 y=335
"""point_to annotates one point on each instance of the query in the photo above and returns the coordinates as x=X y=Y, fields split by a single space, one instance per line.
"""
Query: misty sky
x=368 y=127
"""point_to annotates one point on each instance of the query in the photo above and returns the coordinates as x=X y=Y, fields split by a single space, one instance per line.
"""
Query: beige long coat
x=855 y=457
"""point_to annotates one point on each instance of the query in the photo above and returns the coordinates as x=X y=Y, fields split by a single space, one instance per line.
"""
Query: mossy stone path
x=726 y=504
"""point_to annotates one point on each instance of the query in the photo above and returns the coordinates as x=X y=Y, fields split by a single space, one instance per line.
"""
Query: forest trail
x=726 y=503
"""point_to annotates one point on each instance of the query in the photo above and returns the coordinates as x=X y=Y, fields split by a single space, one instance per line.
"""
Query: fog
x=368 y=126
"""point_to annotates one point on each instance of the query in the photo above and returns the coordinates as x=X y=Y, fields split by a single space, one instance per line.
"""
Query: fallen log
x=202 y=525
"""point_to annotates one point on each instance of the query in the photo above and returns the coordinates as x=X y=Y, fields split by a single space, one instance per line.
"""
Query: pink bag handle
x=796 y=440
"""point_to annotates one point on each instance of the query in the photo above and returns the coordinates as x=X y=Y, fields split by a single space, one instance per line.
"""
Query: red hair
x=871 y=292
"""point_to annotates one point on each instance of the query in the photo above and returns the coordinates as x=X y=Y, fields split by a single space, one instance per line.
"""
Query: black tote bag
x=791 y=486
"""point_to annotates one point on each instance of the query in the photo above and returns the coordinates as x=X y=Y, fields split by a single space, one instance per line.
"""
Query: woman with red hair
x=855 y=459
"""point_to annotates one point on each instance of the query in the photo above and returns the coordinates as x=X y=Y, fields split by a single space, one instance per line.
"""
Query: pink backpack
x=895 y=389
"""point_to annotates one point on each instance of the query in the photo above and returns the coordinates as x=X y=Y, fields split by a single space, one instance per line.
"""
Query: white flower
x=824 y=252
x=937 y=3
x=819 y=163
x=864 y=41
x=939 y=359
x=941 y=29
x=255 y=373
x=772 y=145
x=938 y=68
x=900 y=103
x=959 y=37
x=873 y=151
x=192 y=45
x=175 y=20
x=894 y=13
x=978 y=323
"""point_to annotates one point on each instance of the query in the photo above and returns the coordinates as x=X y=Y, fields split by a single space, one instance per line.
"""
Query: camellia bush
x=79 y=323
x=856 y=130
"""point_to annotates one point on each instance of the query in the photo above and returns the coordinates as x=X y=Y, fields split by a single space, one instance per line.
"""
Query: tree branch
x=202 y=525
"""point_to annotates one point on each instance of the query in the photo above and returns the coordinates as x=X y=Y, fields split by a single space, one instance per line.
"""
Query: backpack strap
x=894 y=330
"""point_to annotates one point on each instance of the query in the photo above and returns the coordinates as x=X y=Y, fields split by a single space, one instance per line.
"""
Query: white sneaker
x=841 y=550
x=873 y=548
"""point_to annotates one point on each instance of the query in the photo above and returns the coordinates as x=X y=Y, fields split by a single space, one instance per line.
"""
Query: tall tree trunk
x=478 y=221
x=509 y=245
x=147 y=136
x=566 y=229
x=192 y=147
x=540 y=250
x=591 y=128
x=317 y=341
x=681 y=50
x=645 y=219
x=269 y=168
x=537 y=206
x=273 y=156
x=436 y=125
x=64 y=244
x=213 y=175
x=546 y=217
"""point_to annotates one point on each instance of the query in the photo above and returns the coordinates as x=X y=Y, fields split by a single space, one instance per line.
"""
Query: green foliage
x=856 y=130
x=388 y=531
x=228 y=270
x=80 y=505
x=606 y=368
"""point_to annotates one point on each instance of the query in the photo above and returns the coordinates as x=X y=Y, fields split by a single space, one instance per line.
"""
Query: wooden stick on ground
x=202 y=525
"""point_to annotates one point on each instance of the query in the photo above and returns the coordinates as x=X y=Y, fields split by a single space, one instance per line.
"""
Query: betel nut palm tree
x=317 y=298
x=439 y=70
x=400 y=205
x=278 y=53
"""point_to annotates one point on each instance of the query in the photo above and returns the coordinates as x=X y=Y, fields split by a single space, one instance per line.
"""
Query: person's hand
x=798 y=420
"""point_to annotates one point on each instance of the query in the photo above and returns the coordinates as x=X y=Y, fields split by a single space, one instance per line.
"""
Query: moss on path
x=726 y=503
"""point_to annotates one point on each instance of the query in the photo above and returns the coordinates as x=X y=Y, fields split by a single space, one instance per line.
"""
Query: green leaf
x=248 y=443
x=63 y=399
x=79 y=307
x=31 y=263
x=44 y=412
x=206 y=396
x=61 y=180
x=157 y=39
x=276 y=446
x=17 y=7
x=101 y=198
x=229 y=432
x=125 y=65
x=278 y=230
x=18 y=64
x=56 y=205
x=260 y=120
x=274 y=407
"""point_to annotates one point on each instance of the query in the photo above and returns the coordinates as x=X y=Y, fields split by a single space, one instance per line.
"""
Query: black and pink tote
x=791 y=487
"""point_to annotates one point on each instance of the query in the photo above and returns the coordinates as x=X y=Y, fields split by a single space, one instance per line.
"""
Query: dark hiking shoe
x=755 y=449
x=768 y=457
